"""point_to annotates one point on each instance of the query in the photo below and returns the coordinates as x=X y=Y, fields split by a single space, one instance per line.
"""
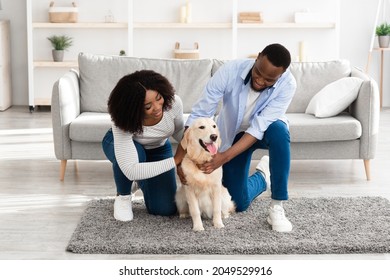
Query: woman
x=145 y=112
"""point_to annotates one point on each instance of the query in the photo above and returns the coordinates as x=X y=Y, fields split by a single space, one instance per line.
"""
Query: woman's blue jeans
x=159 y=191
x=244 y=188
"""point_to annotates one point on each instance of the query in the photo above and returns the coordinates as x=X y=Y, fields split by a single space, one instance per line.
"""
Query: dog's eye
x=202 y=127
x=214 y=126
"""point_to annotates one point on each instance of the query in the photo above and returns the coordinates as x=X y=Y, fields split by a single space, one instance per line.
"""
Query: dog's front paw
x=225 y=215
x=198 y=228
x=218 y=224
x=183 y=215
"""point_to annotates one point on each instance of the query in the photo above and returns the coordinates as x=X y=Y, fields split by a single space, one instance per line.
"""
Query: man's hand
x=217 y=161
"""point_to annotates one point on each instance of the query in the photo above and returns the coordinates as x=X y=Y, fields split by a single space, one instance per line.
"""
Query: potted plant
x=60 y=44
x=383 y=33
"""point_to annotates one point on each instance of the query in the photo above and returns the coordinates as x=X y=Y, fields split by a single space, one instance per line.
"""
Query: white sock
x=276 y=202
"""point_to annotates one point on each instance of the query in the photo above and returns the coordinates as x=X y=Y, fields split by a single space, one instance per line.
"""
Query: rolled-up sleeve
x=214 y=91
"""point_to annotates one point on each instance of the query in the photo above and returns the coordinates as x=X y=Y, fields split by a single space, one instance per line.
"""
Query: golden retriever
x=203 y=194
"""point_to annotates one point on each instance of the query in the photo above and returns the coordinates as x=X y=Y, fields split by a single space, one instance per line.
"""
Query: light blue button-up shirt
x=231 y=84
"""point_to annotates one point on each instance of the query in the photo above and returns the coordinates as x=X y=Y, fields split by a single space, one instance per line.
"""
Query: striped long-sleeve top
x=171 y=124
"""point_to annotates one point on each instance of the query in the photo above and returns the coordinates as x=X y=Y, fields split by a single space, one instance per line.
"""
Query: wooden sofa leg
x=367 y=168
x=62 y=169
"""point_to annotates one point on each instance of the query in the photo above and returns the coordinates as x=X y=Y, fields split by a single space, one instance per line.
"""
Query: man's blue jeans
x=159 y=191
x=244 y=188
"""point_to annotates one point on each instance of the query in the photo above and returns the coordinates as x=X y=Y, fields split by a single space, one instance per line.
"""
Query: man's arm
x=212 y=94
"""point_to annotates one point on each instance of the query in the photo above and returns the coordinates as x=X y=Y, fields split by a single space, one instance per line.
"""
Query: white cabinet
x=150 y=28
x=5 y=66
x=90 y=34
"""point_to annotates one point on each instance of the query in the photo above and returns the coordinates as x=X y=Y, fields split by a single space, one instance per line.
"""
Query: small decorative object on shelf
x=109 y=18
x=60 y=44
x=302 y=51
x=186 y=53
x=122 y=53
x=63 y=14
x=186 y=13
x=183 y=13
x=383 y=33
x=307 y=16
x=250 y=17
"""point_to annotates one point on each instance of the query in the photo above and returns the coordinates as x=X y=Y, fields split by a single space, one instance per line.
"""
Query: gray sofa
x=80 y=118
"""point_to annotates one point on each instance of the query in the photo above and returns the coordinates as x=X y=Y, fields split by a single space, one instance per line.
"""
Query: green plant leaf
x=383 y=29
x=61 y=42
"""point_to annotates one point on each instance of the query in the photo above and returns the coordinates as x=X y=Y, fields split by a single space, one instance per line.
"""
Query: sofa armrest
x=65 y=107
x=366 y=109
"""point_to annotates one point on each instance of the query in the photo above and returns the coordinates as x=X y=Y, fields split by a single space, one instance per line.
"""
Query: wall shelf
x=173 y=25
x=329 y=25
x=80 y=25
x=53 y=64
x=224 y=25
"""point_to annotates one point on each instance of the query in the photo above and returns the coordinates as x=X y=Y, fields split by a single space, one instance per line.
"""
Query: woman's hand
x=180 y=153
x=177 y=160
x=180 y=173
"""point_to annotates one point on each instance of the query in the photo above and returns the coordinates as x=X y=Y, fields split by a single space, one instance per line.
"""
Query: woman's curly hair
x=126 y=101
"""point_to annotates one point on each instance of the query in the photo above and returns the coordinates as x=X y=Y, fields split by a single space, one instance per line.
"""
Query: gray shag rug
x=334 y=225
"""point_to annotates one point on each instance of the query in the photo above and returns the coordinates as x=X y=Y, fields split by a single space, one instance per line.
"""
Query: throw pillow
x=334 y=97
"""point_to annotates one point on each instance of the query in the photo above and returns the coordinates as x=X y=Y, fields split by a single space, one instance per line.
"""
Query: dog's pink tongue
x=212 y=148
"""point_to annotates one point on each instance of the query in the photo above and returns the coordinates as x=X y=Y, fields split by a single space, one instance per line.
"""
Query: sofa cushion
x=99 y=75
x=312 y=77
x=217 y=63
x=308 y=128
x=334 y=97
x=89 y=127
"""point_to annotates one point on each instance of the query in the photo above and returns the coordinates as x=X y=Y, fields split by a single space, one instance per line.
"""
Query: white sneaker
x=263 y=167
x=277 y=219
x=122 y=208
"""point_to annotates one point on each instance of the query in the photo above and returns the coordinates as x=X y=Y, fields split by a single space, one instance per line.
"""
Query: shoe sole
x=278 y=228
x=123 y=220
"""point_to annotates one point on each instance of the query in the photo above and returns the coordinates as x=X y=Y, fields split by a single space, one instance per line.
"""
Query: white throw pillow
x=334 y=97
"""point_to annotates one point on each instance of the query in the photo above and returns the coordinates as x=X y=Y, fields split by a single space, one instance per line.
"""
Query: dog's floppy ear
x=184 y=141
x=219 y=140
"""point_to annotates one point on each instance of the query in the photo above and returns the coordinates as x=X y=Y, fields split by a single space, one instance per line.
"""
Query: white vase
x=383 y=41
x=58 y=55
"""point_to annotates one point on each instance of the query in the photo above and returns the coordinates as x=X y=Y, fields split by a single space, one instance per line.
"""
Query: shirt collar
x=246 y=74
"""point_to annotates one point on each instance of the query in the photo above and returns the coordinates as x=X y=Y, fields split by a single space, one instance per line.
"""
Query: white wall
x=356 y=27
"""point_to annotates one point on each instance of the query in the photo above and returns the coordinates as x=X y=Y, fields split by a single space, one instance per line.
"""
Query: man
x=255 y=95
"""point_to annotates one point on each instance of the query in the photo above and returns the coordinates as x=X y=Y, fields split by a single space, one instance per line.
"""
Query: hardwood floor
x=38 y=213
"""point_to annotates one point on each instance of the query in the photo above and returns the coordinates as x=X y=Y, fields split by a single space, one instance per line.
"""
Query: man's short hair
x=278 y=55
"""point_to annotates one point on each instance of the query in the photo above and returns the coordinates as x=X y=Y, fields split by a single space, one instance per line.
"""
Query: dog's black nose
x=213 y=137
